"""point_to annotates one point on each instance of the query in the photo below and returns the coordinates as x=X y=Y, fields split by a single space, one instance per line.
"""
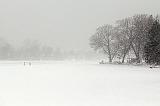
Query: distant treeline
x=34 y=50
x=133 y=39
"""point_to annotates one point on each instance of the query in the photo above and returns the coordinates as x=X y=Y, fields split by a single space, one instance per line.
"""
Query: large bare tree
x=142 y=25
x=104 y=40
x=126 y=36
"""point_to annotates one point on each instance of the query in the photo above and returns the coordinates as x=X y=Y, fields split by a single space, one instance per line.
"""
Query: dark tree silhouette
x=152 y=47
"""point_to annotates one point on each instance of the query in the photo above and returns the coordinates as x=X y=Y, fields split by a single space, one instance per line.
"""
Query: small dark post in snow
x=30 y=64
x=27 y=63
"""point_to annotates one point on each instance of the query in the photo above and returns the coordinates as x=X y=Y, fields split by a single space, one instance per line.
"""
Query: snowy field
x=78 y=84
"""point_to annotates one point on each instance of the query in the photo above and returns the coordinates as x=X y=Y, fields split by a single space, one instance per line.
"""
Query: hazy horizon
x=67 y=24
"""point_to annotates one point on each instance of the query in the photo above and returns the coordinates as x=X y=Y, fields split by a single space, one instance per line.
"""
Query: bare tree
x=47 y=52
x=6 y=49
x=125 y=33
x=104 y=40
x=31 y=49
x=142 y=25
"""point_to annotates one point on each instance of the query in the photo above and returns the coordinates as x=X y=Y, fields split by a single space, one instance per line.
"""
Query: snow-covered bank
x=78 y=84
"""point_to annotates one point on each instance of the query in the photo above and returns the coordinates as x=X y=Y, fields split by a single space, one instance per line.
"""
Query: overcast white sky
x=65 y=23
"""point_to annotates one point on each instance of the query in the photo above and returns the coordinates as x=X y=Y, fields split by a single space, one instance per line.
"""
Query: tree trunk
x=109 y=55
x=110 y=59
x=123 y=58
x=137 y=53
x=125 y=53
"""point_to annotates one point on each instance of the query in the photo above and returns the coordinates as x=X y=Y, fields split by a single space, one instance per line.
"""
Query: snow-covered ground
x=78 y=84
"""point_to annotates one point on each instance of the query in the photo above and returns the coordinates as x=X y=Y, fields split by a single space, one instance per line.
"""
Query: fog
x=67 y=24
